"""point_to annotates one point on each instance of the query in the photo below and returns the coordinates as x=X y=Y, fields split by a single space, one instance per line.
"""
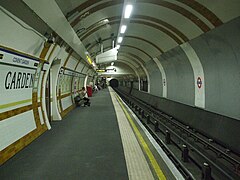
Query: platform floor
x=95 y=142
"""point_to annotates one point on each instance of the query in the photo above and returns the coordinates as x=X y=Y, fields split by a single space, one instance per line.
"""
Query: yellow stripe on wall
x=15 y=103
x=144 y=145
x=3 y=106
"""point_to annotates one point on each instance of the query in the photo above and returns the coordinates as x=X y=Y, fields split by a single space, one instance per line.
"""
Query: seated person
x=83 y=95
x=95 y=88
x=82 y=98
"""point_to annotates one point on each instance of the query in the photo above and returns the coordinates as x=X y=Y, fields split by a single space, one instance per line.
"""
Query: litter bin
x=89 y=91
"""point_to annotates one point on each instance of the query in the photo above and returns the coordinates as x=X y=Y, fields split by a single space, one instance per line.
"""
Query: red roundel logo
x=199 y=82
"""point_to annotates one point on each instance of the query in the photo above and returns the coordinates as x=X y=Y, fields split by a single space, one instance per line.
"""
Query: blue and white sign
x=14 y=58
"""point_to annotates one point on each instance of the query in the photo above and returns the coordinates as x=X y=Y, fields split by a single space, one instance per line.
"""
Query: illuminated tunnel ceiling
x=155 y=27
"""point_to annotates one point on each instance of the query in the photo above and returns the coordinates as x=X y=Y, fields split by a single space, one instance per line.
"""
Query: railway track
x=194 y=154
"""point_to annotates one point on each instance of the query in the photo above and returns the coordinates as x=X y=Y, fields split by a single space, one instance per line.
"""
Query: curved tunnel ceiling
x=155 y=26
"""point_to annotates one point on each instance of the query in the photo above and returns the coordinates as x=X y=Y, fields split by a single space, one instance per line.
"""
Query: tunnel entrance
x=114 y=83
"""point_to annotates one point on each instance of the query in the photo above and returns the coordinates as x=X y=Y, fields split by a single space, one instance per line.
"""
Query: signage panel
x=17 y=74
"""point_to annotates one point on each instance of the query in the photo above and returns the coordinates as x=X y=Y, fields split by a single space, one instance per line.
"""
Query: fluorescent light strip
x=123 y=29
x=120 y=39
x=128 y=11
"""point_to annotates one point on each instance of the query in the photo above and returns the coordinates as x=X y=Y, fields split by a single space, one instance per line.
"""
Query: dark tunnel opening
x=114 y=83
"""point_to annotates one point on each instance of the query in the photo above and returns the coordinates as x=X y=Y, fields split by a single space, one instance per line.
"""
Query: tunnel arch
x=149 y=24
x=182 y=11
x=93 y=44
x=140 y=19
x=114 y=83
x=132 y=47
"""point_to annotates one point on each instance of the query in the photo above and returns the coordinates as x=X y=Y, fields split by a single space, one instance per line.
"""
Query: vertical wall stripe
x=77 y=64
x=146 y=72
x=139 y=83
x=43 y=55
x=198 y=72
x=51 y=53
x=66 y=61
x=85 y=81
x=55 y=92
x=164 y=79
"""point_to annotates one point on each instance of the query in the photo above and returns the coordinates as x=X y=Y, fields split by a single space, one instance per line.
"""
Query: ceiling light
x=89 y=59
x=123 y=29
x=120 y=39
x=128 y=11
x=118 y=46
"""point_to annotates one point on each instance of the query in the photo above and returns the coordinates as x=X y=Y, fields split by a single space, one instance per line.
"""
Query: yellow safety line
x=148 y=152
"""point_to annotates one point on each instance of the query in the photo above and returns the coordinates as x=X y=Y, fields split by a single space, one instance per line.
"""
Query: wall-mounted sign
x=164 y=82
x=108 y=56
x=199 y=82
x=101 y=70
x=69 y=72
x=106 y=70
x=113 y=69
x=18 y=72
x=14 y=58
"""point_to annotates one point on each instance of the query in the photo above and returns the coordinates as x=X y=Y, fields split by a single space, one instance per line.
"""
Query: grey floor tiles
x=85 y=145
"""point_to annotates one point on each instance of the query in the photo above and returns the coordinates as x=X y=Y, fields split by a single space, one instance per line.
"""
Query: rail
x=159 y=117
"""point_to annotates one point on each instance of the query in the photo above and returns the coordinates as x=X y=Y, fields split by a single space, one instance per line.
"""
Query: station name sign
x=18 y=70
x=106 y=70
x=18 y=80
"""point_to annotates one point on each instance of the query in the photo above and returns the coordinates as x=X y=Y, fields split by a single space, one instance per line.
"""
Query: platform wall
x=212 y=105
x=26 y=60
x=214 y=57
